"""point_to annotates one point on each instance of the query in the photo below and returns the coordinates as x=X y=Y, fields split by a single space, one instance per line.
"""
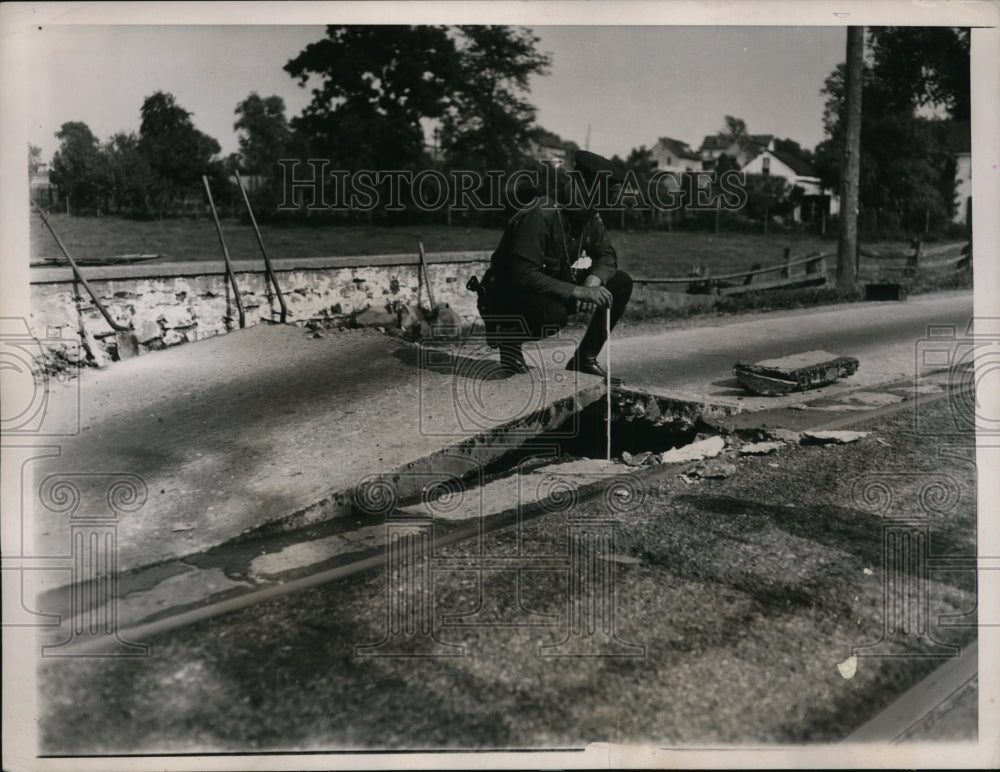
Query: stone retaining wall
x=171 y=303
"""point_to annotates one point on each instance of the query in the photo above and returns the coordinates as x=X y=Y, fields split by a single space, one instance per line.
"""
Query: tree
x=263 y=131
x=177 y=152
x=907 y=173
x=791 y=147
x=34 y=159
x=923 y=67
x=78 y=168
x=134 y=184
x=377 y=84
x=640 y=163
x=735 y=129
x=768 y=195
x=490 y=123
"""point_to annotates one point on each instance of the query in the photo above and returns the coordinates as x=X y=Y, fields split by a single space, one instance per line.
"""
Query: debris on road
x=696 y=451
x=785 y=435
x=714 y=470
x=848 y=667
x=761 y=448
x=797 y=372
x=639 y=459
x=831 y=438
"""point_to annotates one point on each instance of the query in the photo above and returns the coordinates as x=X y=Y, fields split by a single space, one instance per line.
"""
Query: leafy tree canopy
x=263 y=132
x=735 y=128
x=78 y=168
x=176 y=150
x=906 y=166
x=376 y=85
x=490 y=122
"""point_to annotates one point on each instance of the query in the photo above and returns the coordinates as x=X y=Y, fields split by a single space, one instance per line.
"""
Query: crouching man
x=530 y=274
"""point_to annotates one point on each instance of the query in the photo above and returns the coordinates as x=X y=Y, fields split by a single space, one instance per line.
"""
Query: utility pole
x=850 y=163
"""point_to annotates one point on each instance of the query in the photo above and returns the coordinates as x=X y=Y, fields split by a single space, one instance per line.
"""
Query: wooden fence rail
x=813 y=273
x=878 y=266
x=908 y=265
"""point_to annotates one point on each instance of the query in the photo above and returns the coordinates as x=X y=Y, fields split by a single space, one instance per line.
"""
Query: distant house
x=798 y=172
x=958 y=139
x=546 y=146
x=673 y=155
x=741 y=149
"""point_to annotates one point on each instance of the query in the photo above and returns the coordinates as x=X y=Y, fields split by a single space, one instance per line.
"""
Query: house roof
x=677 y=147
x=798 y=165
x=722 y=141
x=716 y=142
x=958 y=136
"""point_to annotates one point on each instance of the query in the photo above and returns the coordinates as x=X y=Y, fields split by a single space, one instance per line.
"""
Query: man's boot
x=512 y=359
x=585 y=362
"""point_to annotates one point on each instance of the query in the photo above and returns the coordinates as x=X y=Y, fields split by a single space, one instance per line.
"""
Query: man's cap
x=589 y=164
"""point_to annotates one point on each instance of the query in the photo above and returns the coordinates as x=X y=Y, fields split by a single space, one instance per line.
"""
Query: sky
x=629 y=85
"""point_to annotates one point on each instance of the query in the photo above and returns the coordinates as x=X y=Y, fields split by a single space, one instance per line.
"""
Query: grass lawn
x=643 y=253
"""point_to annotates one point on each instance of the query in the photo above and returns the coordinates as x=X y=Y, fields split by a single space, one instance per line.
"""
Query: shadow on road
x=447 y=363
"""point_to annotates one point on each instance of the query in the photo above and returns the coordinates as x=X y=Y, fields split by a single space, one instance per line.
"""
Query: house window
x=766 y=165
x=669 y=160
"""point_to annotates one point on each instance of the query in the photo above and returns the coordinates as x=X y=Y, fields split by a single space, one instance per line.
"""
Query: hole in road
x=639 y=422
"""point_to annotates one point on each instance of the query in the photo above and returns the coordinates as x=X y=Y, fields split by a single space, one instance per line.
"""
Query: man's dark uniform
x=530 y=277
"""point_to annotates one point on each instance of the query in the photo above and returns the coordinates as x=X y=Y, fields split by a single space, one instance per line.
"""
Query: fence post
x=913 y=263
x=816 y=264
x=786 y=272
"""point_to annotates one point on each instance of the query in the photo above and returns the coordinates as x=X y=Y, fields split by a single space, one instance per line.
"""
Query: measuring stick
x=607 y=345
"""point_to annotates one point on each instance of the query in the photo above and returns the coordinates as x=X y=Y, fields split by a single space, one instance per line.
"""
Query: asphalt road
x=239 y=431
x=697 y=362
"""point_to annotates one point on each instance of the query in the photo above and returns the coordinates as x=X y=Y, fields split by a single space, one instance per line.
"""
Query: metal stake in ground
x=260 y=241
x=225 y=255
x=128 y=345
x=427 y=282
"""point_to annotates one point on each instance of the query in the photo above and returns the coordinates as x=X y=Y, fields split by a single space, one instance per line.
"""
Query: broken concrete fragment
x=95 y=351
x=848 y=667
x=797 y=372
x=831 y=438
x=715 y=470
x=638 y=459
x=409 y=318
x=761 y=448
x=696 y=451
x=873 y=398
x=784 y=435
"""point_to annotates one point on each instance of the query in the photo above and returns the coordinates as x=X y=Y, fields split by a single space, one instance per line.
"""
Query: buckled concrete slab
x=271 y=427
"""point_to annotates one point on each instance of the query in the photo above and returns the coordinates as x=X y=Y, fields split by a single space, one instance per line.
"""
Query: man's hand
x=592 y=295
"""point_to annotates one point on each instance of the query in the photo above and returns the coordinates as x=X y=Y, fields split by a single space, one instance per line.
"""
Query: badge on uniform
x=580 y=267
